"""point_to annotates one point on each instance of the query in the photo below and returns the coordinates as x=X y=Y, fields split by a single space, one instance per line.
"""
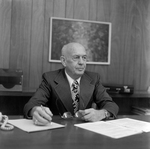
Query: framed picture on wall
x=95 y=36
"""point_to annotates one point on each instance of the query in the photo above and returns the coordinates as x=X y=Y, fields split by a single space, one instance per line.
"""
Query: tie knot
x=75 y=82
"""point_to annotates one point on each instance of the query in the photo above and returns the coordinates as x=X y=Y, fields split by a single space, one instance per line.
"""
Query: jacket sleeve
x=40 y=97
x=103 y=99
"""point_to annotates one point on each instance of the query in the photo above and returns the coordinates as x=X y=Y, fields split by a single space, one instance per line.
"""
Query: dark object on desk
x=11 y=80
x=140 y=110
x=120 y=89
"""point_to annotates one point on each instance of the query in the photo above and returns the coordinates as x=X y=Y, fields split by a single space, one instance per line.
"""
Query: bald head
x=68 y=48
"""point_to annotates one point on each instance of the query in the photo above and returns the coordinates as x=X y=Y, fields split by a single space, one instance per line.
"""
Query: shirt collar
x=70 y=80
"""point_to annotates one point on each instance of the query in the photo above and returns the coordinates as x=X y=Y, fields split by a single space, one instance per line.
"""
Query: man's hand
x=92 y=114
x=41 y=115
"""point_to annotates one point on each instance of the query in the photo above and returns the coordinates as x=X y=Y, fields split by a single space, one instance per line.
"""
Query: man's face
x=76 y=61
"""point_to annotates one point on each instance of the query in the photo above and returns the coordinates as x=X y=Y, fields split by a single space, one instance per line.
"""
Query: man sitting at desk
x=71 y=89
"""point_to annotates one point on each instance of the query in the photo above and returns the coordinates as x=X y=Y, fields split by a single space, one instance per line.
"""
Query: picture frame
x=95 y=36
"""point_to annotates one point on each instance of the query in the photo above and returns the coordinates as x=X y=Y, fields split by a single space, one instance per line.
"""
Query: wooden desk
x=71 y=137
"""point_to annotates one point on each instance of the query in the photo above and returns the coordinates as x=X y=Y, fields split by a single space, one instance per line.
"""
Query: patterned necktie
x=75 y=95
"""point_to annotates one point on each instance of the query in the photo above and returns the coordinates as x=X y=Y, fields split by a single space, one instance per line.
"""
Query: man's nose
x=81 y=61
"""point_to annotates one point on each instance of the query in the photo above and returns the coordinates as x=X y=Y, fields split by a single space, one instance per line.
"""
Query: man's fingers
x=88 y=111
x=81 y=112
x=39 y=121
x=42 y=116
x=47 y=110
x=89 y=114
x=88 y=117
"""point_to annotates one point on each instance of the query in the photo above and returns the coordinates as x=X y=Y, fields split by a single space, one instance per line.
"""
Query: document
x=28 y=125
x=117 y=128
x=132 y=123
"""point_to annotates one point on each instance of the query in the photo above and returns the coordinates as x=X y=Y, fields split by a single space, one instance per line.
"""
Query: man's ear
x=62 y=58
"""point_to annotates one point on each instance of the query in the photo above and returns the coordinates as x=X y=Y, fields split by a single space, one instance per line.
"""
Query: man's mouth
x=80 y=69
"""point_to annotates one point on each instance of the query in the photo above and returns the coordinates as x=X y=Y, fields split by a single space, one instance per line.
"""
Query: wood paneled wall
x=24 y=37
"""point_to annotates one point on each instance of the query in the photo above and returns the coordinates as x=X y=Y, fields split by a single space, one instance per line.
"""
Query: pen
x=43 y=108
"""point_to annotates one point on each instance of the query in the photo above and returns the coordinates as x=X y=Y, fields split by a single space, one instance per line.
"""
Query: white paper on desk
x=28 y=126
x=108 y=129
x=132 y=123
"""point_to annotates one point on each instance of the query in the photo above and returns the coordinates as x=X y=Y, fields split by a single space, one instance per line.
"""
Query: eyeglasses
x=68 y=115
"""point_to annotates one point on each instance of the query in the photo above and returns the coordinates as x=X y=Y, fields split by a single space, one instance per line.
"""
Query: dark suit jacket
x=54 y=92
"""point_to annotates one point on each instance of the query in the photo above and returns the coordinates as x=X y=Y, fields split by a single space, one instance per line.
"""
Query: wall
x=24 y=37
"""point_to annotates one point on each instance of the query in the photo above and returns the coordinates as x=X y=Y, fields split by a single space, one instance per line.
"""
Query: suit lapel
x=63 y=90
x=86 y=91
